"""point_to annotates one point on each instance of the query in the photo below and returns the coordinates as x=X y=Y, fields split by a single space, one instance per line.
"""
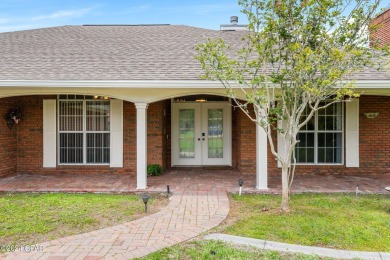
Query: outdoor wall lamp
x=240 y=183
x=145 y=199
x=371 y=115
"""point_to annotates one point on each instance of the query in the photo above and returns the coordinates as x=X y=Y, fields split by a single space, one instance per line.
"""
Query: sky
x=18 y=15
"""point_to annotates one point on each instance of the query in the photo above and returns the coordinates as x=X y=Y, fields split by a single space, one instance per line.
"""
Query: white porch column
x=141 y=145
x=261 y=159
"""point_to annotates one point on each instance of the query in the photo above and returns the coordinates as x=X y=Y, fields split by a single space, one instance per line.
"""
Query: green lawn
x=218 y=250
x=334 y=221
x=32 y=218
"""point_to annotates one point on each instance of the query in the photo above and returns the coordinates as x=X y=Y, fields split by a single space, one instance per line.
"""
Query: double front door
x=201 y=133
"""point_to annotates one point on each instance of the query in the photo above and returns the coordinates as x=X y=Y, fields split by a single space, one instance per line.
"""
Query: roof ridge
x=127 y=24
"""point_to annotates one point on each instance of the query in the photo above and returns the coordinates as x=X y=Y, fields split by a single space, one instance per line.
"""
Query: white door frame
x=201 y=149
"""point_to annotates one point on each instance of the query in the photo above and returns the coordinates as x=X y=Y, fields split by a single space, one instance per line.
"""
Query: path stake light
x=357 y=190
x=240 y=182
x=168 y=192
x=145 y=199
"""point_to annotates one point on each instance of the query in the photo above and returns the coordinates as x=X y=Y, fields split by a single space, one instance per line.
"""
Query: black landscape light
x=145 y=199
x=168 y=191
x=240 y=183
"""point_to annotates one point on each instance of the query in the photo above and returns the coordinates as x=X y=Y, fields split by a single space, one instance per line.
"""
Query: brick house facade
x=381 y=29
x=124 y=115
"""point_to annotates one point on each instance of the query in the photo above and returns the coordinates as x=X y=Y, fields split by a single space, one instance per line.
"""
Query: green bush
x=154 y=169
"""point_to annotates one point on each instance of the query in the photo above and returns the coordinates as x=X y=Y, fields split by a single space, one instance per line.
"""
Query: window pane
x=329 y=123
x=311 y=124
x=304 y=151
x=321 y=155
x=310 y=155
x=70 y=116
x=321 y=123
x=330 y=110
x=98 y=115
x=310 y=139
x=337 y=155
x=302 y=140
x=321 y=111
x=71 y=148
x=338 y=123
x=321 y=140
x=329 y=141
x=329 y=155
x=301 y=155
x=97 y=146
x=338 y=109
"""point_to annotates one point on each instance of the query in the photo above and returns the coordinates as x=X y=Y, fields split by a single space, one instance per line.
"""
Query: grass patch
x=219 y=250
x=31 y=218
x=334 y=221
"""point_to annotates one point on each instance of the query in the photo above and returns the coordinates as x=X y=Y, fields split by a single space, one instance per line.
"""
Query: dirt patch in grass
x=33 y=218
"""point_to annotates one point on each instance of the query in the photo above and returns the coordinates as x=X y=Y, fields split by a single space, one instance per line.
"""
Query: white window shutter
x=281 y=142
x=49 y=133
x=352 y=133
x=116 y=133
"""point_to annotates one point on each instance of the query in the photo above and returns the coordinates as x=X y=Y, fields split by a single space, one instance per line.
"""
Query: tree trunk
x=285 y=189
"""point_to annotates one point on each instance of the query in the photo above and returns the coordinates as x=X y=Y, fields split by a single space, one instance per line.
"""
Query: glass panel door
x=216 y=127
x=215 y=133
x=201 y=133
x=187 y=133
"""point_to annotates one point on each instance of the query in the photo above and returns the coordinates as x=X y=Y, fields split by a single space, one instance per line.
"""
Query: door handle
x=198 y=139
x=203 y=139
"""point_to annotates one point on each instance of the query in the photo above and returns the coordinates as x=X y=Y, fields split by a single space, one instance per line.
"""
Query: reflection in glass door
x=215 y=133
x=187 y=133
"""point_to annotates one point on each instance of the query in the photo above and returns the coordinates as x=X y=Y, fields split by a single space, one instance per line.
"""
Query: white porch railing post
x=261 y=159
x=142 y=145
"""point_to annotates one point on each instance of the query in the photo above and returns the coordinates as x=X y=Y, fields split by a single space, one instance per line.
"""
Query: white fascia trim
x=174 y=84
x=113 y=83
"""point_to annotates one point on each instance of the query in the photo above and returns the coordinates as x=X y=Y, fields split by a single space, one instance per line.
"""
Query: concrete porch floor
x=181 y=180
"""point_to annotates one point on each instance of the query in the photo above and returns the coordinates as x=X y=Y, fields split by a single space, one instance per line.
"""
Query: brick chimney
x=381 y=34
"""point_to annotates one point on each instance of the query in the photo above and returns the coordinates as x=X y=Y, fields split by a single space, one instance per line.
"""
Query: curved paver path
x=189 y=213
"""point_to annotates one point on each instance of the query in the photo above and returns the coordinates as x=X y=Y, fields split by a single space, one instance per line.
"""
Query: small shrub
x=154 y=169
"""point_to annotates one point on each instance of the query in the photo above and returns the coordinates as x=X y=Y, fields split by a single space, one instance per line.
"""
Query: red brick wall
x=381 y=29
x=246 y=142
x=157 y=137
x=8 y=139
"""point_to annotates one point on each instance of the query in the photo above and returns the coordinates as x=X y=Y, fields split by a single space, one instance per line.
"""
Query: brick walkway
x=189 y=213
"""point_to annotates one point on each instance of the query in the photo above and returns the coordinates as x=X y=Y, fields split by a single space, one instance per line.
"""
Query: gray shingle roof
x=146 y=52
